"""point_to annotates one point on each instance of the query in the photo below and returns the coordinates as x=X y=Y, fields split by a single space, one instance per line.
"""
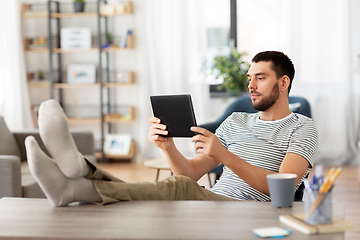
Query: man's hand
x=208 y=144
x=155 y=131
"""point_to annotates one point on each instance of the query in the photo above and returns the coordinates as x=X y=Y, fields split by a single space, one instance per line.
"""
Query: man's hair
x=281 y=64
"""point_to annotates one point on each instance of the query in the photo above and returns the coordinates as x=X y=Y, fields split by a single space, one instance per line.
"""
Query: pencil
x=327 y=179
x=332 y=180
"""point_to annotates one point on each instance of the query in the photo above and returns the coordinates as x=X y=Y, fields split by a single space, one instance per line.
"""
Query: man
x=251 y=146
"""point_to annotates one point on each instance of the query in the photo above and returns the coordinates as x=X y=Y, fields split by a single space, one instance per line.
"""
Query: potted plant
x=232 y=69
x=41 y=75
x=108 y=38
x=79 y=5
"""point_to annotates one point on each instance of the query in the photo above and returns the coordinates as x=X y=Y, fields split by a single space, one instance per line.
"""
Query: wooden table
x=22 y=218
x=158 y=164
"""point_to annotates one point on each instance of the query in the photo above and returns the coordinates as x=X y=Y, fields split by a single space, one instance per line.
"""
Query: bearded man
x=250 y=146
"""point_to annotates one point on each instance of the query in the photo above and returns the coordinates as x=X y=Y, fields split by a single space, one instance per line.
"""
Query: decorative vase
x=79 y=6
x=106 y=9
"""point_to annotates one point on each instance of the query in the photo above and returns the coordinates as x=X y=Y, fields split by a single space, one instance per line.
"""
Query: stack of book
x=297 y=221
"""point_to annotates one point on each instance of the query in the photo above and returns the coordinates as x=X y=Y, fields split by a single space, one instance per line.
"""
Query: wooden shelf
x=84 y=14
x=46 y=83
x=67 y=85
x=76 y=50
x=114 y=85
x=108 y=118
x=26 y=13
x=84 y=120
x=115 y=117
x=98 y=119
x=74 y=14
x=39 y=84
x=40 y=50
x=114 y=49
x=67 y=15
x=58 y=15
x=35 y=15
x=105 y=85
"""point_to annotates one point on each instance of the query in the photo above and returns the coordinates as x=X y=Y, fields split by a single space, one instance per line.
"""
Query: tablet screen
x=176 y=112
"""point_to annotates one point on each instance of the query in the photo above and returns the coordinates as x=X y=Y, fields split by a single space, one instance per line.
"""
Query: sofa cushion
x=8 y=145
x=10 y=176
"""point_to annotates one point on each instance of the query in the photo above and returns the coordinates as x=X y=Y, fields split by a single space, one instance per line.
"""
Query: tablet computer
x=176 y=112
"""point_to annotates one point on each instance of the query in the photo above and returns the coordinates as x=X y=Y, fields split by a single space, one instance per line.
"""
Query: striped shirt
x=263 y=144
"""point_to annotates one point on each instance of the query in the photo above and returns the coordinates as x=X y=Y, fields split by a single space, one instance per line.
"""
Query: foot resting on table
x=59 y=189
x=54 y=132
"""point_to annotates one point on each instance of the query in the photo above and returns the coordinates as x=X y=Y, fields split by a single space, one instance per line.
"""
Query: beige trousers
x=112 y=189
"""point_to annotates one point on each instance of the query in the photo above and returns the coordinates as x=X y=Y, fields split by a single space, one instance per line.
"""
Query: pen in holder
x=318 y=204
x=318 y=208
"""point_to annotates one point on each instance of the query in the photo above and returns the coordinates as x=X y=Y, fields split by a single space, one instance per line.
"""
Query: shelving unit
x=59 y=50
x=106 y=115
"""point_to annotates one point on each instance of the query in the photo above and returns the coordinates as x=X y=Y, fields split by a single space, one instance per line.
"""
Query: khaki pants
x=112 y=189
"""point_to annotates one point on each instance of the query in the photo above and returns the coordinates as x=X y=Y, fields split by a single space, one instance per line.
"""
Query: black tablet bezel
x=176 y=112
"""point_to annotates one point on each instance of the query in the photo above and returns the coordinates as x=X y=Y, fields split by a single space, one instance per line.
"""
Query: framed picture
x=73 y=38
x=78 y=73
x=117 y=144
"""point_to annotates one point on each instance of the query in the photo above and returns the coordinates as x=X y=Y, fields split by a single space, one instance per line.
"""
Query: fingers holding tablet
x=156 y=128
x=157 y=134
x=154 y=120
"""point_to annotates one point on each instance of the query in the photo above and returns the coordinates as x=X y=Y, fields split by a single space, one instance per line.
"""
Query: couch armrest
x=84 y=141
x=20 y=137
x=10 y=176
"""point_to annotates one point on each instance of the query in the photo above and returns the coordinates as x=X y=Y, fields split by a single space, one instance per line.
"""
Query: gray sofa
x=15 y=178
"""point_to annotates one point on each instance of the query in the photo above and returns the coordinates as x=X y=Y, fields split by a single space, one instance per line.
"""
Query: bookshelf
x=108 y=111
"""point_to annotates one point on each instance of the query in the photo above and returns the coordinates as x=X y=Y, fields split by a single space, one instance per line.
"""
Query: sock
x=54 y=131
x=59 y=189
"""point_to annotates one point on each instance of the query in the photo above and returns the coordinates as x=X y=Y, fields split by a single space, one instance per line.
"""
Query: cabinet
x=105 y=111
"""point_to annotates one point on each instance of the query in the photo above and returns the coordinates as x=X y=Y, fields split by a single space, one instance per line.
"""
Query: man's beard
x=268 y=102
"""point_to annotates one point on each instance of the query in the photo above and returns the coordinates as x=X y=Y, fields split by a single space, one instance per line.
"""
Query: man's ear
x=284 y=83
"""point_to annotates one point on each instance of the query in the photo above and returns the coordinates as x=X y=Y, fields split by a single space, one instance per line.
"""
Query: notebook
x=297 y=222
x=176 y=112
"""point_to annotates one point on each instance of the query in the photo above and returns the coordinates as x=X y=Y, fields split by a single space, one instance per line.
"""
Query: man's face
x=263 y=86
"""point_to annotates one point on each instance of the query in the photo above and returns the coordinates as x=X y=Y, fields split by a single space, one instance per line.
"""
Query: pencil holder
x=322 y=214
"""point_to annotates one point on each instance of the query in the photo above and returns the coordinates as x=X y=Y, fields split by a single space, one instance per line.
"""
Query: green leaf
x=233 y=70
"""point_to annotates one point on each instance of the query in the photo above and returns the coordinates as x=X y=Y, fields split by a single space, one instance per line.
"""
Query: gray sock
x=54 y=131
x=59 y=189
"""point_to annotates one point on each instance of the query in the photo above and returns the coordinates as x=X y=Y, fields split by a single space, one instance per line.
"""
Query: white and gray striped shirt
x=263 y=144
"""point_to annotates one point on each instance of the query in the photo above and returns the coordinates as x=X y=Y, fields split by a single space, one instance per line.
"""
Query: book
x=129 y=40
x=297 y=222
x=125 y=38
